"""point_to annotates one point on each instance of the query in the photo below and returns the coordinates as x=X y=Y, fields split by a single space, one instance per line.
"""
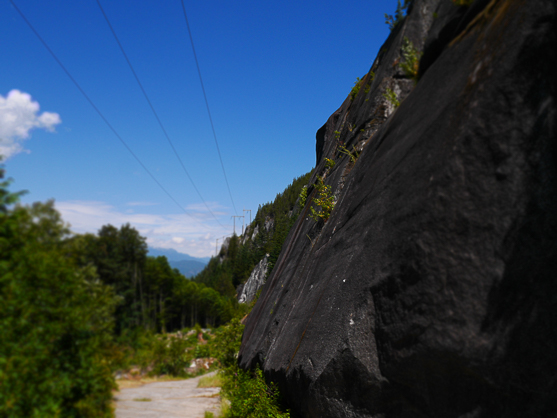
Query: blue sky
x=273 y=73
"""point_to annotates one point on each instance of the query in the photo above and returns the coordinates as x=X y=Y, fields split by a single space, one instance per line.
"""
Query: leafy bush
x=356 y=89
x=399 y=14
x=303 y=196
x=247 y=392
x=251 y=397
x=325 y=201
x=411 y=62
x=391 y=97
x=170 y=356
x=352 y=154
x=56 y=320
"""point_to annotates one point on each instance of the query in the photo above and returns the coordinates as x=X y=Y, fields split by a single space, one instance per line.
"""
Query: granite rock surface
x=431 y=291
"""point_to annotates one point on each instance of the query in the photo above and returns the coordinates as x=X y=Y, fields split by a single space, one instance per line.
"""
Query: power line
x=207 y=104
x=154 y=112
x=100 y=113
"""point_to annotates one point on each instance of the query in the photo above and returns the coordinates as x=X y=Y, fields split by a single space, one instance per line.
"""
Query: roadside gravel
x=173 y=399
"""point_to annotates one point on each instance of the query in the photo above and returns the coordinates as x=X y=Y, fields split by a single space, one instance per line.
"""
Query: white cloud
x=19 y=114
x=194 y=236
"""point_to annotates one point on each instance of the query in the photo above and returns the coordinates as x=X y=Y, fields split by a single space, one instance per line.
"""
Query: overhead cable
x=207 y=104
x=101 y=114
x=154 y=112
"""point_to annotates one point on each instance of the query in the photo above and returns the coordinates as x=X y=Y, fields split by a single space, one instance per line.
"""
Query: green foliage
x=329 y=163
x=356 y=89
x=251 y=397
x=227 y=344
x=164 y=354
x=358 y=85
x=211 y=381
x=152 y=295
x=273 y=222
x=55 y=319
x=169 y=355
x=352 y=154
x=248 y=393
x=411 y=62
x=303 y=196
x=391 y=97
x=325 y=202
x=399 y=14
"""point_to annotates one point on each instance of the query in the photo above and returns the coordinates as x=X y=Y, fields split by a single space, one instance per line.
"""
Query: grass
x=212 y=381
x=127 y=383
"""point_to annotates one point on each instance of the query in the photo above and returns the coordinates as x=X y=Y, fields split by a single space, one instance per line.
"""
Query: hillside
x=262 y=239
x=419 y=280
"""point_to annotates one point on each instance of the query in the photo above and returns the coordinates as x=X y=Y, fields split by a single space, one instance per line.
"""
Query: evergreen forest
x=75 y=305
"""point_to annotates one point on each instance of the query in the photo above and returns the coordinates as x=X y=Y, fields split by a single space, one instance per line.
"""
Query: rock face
x=431 y=291
x=255 y=281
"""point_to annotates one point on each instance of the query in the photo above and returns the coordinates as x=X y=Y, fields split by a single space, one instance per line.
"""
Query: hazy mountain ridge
x=187 y=265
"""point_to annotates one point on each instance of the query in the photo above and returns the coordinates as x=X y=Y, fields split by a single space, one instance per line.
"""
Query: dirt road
x=175 y=399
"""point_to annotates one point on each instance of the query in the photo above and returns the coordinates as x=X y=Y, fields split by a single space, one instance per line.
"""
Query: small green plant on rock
x=352 y=154
x=325 y=202
x=329 y=163
x=303 y=196
x=411 y=62
x=390 y=95
x=368 y=84
x=356 y=89
x=399 y=14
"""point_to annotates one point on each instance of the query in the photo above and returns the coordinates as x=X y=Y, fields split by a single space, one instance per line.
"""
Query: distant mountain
x=187 y=265
x=188 y=268
x=173 y=255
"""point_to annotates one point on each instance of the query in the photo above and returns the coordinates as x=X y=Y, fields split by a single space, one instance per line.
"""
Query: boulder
x=431 y=291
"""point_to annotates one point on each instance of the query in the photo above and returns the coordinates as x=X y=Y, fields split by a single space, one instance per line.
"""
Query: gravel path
x=167 y=400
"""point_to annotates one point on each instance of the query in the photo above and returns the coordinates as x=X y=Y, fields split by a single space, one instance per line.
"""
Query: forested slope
x=265 y=235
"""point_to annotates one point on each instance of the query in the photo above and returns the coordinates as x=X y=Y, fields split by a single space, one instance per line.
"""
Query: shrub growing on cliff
x=393 y=21
x=356 y=89
x=325 y=201
x=352 y=154
x=410 y=64
x=303 y=196
x=392 y=98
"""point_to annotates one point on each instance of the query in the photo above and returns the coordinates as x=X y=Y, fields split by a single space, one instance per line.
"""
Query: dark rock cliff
x=431 y=291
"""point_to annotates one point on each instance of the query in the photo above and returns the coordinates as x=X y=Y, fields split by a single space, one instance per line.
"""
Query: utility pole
x=235 y=222
x=248 y=210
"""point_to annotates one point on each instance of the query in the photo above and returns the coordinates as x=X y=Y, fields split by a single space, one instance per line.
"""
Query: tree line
x=265 y=235
x=151 y=294
x=66 y=299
